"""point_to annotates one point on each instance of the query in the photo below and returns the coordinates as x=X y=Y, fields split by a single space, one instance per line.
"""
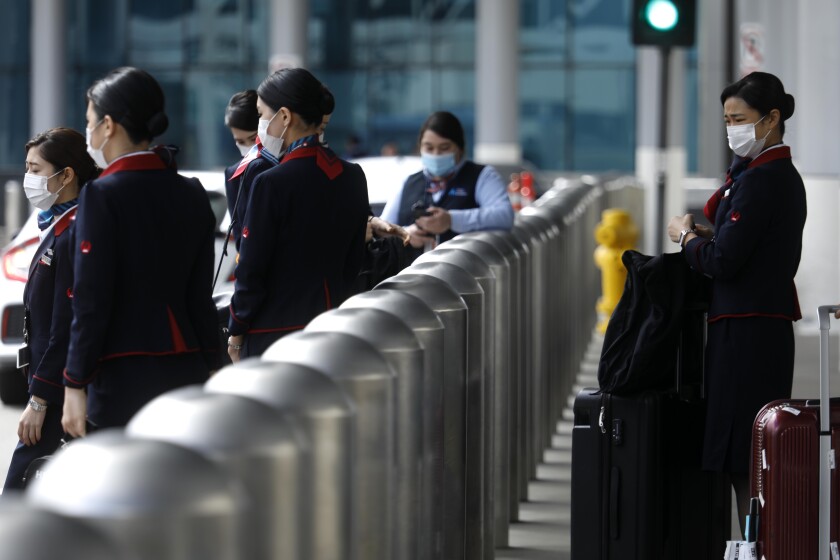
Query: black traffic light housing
x=665 y=23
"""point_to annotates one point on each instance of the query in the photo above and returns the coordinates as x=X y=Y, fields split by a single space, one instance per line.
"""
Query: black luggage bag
x=637 y=488
x=638 y=492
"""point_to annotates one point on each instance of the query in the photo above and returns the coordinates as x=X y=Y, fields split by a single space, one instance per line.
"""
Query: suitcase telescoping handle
x=826 y=453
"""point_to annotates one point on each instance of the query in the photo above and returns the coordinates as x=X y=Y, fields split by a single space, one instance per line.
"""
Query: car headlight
x=17 y=258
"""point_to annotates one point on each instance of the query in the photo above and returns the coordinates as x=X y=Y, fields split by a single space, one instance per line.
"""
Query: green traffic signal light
x=662 y=14
x=665 y=23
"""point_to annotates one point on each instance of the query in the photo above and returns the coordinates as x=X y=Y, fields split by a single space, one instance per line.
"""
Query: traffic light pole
x=662 y=156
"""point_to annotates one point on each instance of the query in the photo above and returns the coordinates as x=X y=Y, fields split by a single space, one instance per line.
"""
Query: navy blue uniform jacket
x=143 y=268
x=303 y=241
x=48 y=296
x=758 y=219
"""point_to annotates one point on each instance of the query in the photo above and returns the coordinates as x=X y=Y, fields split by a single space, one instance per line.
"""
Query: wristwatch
x=683 y=233
x=36 y=406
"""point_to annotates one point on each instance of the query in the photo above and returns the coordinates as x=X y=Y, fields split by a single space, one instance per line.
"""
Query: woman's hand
x=438 y=221
x=704 y=231
x=31 y=422
x=381 y=228
x=235 y=347
x=74 y=415
x=679 y=223
x=418 y=238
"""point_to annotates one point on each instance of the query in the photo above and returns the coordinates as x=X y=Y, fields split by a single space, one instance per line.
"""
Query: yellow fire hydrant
x=615 y=234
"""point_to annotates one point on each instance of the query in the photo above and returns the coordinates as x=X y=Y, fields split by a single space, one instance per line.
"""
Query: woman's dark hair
x=444 y=123
x=300 y=92
x=133 y=98
x=241 y=111
x=63 y=148
x=763 y=92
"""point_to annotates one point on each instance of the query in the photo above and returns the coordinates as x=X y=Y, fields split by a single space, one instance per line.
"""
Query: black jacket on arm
x=642 y=338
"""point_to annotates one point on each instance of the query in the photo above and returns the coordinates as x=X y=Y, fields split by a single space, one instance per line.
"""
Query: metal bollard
x=480 y=397
x=252 y=441
x=477 y=525
x=31 y=533
x=452 y=312
x=522 y=242
x=159 y=500
x=369 y=382
x=399 y=346
x=507 y=245
x=545 y=321
x=326 y=416
x=428 y=330
x=530 y=234
x=500 y=268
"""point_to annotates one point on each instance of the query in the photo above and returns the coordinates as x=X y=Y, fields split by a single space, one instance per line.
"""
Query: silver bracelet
x=36 y=406
x=234 y=346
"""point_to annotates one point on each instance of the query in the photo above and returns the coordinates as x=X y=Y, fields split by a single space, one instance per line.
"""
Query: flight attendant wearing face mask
x=144 y=321
x=57 y=166
x=751 y=253
x=289 y=271
x=242 y=118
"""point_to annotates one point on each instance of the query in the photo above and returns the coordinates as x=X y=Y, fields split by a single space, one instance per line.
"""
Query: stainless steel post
x=545 y=337
x=397 y=343
x=368 y=381
x=31 y=533
x=537 y=241
x=263 y=449
x=506 y=244
x=502 y=380
x=480 y=395
x=522 y=240
x=428 y=330
x=478 y=534
x=451 y=309
x=159 y=500
x=325 y=414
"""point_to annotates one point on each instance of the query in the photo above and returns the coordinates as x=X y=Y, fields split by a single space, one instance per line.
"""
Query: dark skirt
x=124 y=385
x=749 y=363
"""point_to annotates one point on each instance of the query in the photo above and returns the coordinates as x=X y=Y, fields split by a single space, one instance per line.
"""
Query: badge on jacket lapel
x=46 y=258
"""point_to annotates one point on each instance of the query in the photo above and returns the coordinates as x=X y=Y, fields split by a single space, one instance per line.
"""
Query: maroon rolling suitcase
x=793 y=474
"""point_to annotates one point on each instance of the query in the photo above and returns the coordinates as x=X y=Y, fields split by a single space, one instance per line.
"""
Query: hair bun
x=157 y=124
x=327 y=102
x=790 y=104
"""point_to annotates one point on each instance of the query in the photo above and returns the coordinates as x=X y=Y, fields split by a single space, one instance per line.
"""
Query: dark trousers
x=51 y=434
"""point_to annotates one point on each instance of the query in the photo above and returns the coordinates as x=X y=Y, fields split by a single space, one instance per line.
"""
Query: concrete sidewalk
x=544 y=529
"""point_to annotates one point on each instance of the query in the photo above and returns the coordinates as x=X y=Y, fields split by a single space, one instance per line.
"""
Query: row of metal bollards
x=404 y=425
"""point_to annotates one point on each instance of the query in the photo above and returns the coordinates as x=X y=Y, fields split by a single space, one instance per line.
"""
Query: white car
x=17 y=255
x=385 y=176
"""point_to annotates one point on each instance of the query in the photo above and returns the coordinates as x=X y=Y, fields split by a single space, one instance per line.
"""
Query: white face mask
x=244 y=149
x=742 y=139
x=96 y=153
x=273 y=144
x=35 y=187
